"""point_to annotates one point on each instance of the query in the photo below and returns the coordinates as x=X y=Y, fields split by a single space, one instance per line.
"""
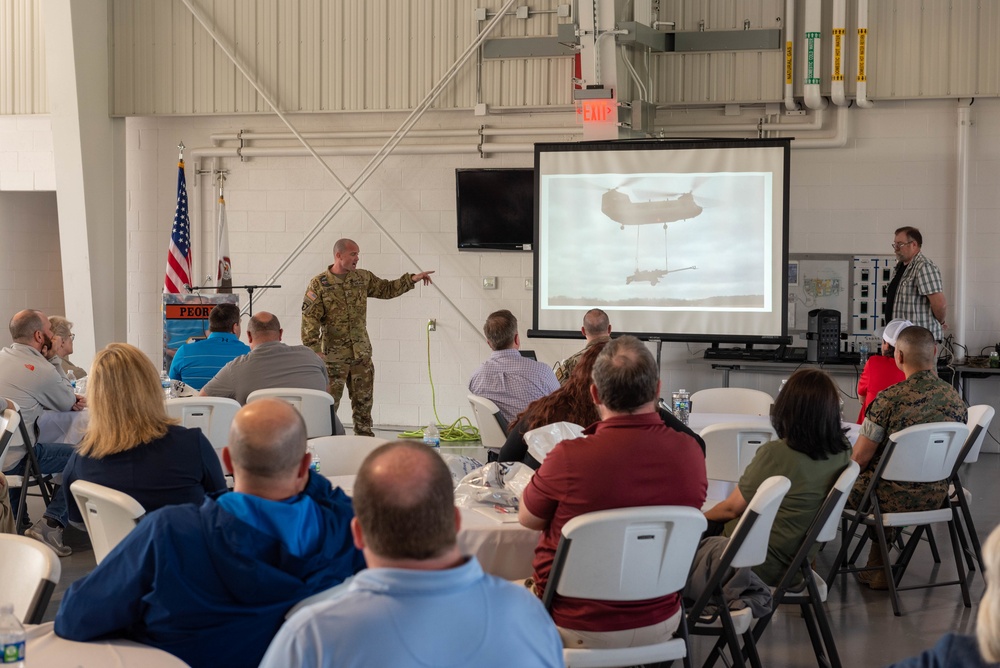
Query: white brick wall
x=30 y=273
x=26 y=153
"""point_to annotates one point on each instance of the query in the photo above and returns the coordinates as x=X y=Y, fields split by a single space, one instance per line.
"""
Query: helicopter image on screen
x=621 y=208
x=653 y=276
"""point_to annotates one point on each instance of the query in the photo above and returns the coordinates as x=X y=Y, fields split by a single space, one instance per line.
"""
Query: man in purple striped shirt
x=507 y=379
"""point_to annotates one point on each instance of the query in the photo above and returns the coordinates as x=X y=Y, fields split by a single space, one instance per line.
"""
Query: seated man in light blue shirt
x=420 y=602
x=197 y=362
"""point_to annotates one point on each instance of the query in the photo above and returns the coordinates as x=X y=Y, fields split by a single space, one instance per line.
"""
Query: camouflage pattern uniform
x=334 y=316
x=921 y=398
x=564 y=369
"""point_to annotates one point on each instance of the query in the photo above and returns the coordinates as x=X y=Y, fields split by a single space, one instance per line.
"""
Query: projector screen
x=675 y=240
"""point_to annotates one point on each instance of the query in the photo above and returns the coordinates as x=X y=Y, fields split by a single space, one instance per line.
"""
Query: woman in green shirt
x=811 y=451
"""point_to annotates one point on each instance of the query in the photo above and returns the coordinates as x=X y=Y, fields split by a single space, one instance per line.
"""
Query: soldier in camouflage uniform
x=596 y=329
x=921 y=398
x=334 y=315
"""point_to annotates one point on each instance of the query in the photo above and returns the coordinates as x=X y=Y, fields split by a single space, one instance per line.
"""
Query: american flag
x=179 y=256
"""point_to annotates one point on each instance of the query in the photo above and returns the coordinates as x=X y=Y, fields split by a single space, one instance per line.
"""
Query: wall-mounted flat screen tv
x=675 y=240
x=496 y=209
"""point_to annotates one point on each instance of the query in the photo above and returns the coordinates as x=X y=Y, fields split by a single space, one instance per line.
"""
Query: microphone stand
x=248 y=288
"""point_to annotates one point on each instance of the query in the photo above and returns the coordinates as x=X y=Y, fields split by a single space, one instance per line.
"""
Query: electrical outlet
x=489 y=282
x=432 y=325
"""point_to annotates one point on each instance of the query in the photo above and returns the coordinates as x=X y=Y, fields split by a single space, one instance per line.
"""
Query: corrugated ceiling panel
x=963 y=70
x=162 y=55
x=987 y=53
x=182 y=97
x=22 y=58
x=934 y=48
x=203 y=83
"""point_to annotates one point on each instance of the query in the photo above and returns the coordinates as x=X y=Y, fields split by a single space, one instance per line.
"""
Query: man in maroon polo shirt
x=631 y=457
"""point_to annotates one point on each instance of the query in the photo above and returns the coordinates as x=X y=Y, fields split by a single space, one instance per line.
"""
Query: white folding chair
x=811 y=594
x=15 y=433
x=626 y=554
x=109 y=514
x=492 y=427
x=747 y=547
x=926 y=453
x=731 y=446
x=732 y=400
x=213 y=415
x=979 y=419
x=29 y=572
x=342 y=455
x=315 y=406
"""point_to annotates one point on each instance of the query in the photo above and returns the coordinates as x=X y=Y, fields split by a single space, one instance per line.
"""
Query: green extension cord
x=461 y=429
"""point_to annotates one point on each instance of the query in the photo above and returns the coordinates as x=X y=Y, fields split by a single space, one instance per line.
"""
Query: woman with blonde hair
x=983 y=649
x=132 y=445
x=62 y=345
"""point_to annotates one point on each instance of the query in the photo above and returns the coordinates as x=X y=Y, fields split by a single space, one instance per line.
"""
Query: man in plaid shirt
x=507 y=379
x=916 y=291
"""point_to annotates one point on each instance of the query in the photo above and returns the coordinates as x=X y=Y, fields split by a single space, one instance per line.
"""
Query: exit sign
x=598 y=111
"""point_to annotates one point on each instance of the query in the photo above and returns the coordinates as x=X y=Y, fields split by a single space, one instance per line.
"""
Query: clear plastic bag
x=496 y=484
x=460 y=466
x=541 y=440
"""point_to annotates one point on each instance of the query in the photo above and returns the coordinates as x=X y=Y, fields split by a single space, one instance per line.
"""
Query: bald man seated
x=421 y=602
x=211 y=584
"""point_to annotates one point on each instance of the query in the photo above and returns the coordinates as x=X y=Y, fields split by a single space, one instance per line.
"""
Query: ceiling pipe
x=815 y=123
x=384 y=134
x=789 y=26
x=812 y=73
x=297 y=151
x=838 y=53
x=862 y=89
x=836 y=140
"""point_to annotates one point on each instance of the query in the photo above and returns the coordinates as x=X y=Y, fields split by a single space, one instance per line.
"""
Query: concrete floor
x=867 y=632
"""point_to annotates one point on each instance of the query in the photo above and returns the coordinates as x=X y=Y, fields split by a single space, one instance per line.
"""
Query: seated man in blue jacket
x=211 y=584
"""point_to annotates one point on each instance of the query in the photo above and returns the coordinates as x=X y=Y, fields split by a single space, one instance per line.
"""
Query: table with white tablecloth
x=504 y=549
x=44 y=649
x=62 y=426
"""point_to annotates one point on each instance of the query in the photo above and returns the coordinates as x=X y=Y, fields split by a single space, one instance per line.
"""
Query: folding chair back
x=625 y=554
x=932 y=450
x=213 y=415
x=731 y=446
x=9 y=435
x=753 y=531
x=492 y=429
x=747 y=547
x=342 y=455
x=731 y=400
x=822 y=529
x=980 y=415
x=315 y=406
x=108 y=513
x=29 y=572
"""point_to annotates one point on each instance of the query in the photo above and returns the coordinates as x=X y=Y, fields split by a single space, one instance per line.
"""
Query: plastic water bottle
x=431 y=436
x=864 y=353
x=314 y=460
x=166 y=385
x=11 y=638
x=682 y=405
x=72 y=378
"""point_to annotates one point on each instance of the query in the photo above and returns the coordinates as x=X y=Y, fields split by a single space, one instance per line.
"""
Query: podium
x=185 y=318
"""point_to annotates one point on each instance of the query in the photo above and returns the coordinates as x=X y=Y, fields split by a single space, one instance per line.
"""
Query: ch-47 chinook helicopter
x=652 y=275
x=668 y=208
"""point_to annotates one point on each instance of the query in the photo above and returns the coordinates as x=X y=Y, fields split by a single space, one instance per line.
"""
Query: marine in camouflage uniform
x=334 y=318
x=564 y=369
x=921 y=398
